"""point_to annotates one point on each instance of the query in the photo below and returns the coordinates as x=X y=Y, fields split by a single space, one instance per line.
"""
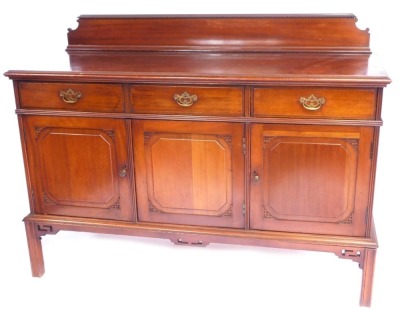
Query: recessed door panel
x=82 y=167
x=310 y=179
x=77 y=167
x=187 y=173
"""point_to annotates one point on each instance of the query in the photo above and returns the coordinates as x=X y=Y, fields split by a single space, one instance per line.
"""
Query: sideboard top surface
x=265 y=49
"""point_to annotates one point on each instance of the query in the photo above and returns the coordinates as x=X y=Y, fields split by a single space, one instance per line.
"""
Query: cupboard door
x=189 y=172
x=311 y=179
x=79 y=166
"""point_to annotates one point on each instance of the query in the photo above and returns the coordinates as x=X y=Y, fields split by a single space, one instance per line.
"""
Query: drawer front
x=71 y=96
x=187 y=100
x=314 y=103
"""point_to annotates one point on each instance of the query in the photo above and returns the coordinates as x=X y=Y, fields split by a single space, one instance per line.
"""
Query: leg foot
x=367 y=277
x=35 y=249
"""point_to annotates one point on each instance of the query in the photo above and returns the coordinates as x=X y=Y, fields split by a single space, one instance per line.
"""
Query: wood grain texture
x=337 y=103
x=35 y=250
x=94 y=97
x=193 y=32
x=189 y=173
x=214 y=234
x=367 y=277
x=289 y=69
x=210 y=101
x=77 y=164
x=191 y=128
x=261 y=120
x=312 y=179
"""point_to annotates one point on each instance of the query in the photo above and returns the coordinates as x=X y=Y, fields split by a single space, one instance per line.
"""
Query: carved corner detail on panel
x=228 y=213
x=348 y=220
x=267 y=140
x=152 y=208
x=116 y=205
x=267 y=215
x=47 y=200
x=227 y=139
x=353 y=142
x=147 y=137
x=110 y=133
x=38 y=131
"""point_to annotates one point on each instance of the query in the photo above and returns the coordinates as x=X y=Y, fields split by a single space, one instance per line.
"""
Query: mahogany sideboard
x=251 y=130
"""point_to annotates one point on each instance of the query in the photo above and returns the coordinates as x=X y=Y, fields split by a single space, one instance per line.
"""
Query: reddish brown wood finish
x=84 y=167
x=204 y=129
x=93 y=97
x=310 y=179
x=208 y=101
x=189 y=172
x=35 y=249
x=254 y=33
x=337 y=103
x=283 y=69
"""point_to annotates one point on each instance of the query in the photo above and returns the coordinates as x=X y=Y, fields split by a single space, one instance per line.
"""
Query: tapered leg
x=35 y=250
x=368 y=277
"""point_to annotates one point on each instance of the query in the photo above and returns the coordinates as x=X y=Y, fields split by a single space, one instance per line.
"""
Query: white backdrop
x=88 y=272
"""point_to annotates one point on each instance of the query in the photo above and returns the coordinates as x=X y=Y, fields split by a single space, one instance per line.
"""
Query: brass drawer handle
x=312 y=103
x=70 y=96
x=185 y=99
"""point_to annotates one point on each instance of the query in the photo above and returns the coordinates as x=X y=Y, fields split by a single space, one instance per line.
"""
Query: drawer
x=72 y=96
x=340 y=103
x=187 y=100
